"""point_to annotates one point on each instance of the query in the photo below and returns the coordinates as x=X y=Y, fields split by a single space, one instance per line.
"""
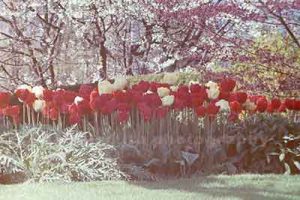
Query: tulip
x=53 y=113
x=123 y=116
x=38 y=105
x=38 y=91
x=223 y=104
x=105 y=87
x=262 y=104
x=4 y=99
x=162 y=91
x=168 y=100
x=85 y=90
x=213 y=90
x=248 y=105
x=77 y=100
x=233 y=117
x=120 y=83
x=161 y=112
x=24 y=87
x=145 y=111
x=170 y=78
x=200 y=111
x=227 y=85
x=235 y=107
x=174 y=88
x=212 y=109
x=275 y=103
x=142 y=86
x=47 y=95
x=74 y=118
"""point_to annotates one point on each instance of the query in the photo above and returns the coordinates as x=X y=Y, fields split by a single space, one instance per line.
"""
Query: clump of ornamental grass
x=44 y=154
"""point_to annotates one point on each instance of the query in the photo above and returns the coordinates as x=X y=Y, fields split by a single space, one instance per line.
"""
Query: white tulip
x=193 y=83
x=77 y=100
x=120 y=83
x=162 y=91
x=248 y=105
x=211 y=84
x=24 y=87
x=149 y=92
x=223 y=104
x=168 y=100
x=213 y=90
x=38 y=105
x=174 y=88
x=38 y=91
x=105 y=87
x=170 y=78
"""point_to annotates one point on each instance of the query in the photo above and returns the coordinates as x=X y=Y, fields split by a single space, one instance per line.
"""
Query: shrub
x=45 y=154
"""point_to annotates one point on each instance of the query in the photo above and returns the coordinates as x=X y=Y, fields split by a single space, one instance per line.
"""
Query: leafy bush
x=267 y=144
x=45 y=154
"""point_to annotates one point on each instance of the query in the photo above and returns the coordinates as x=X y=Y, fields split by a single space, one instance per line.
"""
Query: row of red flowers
x=153 y=101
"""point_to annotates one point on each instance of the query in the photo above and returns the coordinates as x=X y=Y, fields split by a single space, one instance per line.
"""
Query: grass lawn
x=273 y=187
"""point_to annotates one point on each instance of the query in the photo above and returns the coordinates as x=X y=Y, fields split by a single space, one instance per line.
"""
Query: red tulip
x=4 y=99
x=100 y=101
x=292 y=104
x=153 y=100
x=235 y=107
x=200 y=111
x=270 y=108
x=22 y=94
x=241 y=97
x=64 y=108
x=196 y=88
x=30 y=98
x=297 y=106
x=145 y=110
x=136 y=97
x=109 y=107
x=282 y=108
x=178 y=104
x=53 y=113
x=233 y=117
x=12 y=111
x=123 y=116
x=261 y=104
x=275 y=103
x=161 y=112
x=227 y=85
x=212 y=109
x=121 y=96
x=85 y=90
x=68 y=96
x=58 y=97
x=142 y=86
x=84 y=107
x=47 y=95
x=224 y=95
x=74 y=118
x=197 y=99
x=183 y=90
x=123 y=107
x=73 y=109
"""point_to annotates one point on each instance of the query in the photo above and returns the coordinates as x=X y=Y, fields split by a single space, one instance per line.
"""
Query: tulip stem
x=28 y=114
x=96 y=124
x=24 y=114
x=32 y=117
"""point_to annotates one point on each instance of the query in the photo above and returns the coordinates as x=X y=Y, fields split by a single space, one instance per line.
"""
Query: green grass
x=273 y=187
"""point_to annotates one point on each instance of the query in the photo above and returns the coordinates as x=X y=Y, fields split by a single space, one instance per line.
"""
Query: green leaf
x=281 y=157
x=297 y=164
x=287 y=169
